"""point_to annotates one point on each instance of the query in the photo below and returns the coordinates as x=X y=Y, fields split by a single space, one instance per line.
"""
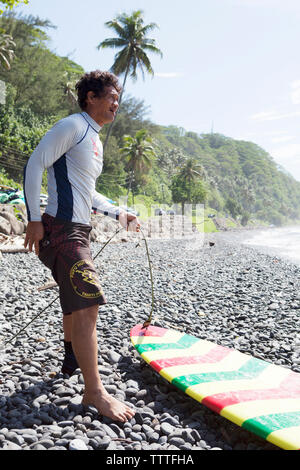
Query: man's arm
x=126 y=219
x=103 y=206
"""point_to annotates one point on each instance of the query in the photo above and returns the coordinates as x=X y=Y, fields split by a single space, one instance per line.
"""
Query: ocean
x=282 y=242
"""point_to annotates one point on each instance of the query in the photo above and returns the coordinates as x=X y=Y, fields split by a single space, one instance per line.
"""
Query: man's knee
x=86 y=315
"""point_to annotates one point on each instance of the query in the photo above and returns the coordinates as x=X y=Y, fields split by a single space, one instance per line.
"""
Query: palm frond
x=121 y=61
x=115 y=25
x=149 y=27
x=6 y=53
x=112 y=42
x=4 y=61
x=144 y=61
x=152 y=48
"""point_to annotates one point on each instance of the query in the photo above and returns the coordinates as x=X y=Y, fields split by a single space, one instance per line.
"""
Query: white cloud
x=287 y=151
x=287 y=4
x=295 y=92
x=289 y=157
x=273 y=115
x=285 y=138
x=168 y=74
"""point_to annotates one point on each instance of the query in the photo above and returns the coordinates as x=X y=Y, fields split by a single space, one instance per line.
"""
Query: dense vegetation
x=177 y=166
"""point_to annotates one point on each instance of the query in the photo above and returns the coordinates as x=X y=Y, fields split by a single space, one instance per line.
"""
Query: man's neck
x=94 y=116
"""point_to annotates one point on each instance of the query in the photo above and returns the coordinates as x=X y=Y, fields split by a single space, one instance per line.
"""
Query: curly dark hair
x=95 y=81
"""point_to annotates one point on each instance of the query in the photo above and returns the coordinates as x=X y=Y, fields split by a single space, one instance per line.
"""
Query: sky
x=231 y=66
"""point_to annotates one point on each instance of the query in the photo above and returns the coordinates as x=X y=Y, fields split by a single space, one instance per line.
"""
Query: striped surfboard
x=258 y=396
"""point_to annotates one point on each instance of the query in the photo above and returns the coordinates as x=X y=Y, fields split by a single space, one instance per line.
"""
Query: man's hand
x=129 y=221
x=34 y=233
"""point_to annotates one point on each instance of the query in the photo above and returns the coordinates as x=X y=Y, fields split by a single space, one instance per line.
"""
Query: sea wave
x=284 y=242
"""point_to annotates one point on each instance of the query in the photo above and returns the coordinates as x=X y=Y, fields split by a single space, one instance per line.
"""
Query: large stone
x=17 y=227
x=5 y=226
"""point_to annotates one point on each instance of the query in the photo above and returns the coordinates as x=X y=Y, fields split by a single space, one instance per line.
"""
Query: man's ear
x=90 y=97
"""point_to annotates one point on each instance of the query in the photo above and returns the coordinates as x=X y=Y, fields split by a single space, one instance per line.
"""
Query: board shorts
x=65 y=250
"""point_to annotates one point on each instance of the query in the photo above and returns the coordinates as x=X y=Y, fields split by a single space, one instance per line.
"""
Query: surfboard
x=256 y=395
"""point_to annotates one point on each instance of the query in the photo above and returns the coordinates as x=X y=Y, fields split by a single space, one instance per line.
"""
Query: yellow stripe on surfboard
x=287 y=438
x=245 y=410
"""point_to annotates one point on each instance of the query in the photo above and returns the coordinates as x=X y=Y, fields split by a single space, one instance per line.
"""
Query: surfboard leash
x=146 y=323
x=149 y=319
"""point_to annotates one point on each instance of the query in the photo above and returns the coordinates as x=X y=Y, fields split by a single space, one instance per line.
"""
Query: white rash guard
x=72 y=153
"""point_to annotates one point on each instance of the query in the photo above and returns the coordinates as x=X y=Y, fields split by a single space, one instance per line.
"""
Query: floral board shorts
x=65 y=250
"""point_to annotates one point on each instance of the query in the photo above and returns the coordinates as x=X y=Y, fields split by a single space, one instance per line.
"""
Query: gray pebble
x=39 y=447
x=77 y=444
x=176 y=441
x=109 y=431
x=166 y=428
x=63 y=424
x=30 y=438
x=136 y=436
x=47 y=443
x=113 y=357
x=95 y=433
x=11 y=446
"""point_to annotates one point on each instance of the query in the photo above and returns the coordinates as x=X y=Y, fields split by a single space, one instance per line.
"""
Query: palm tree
x=191 y=172
x=139 y=154
x=6 y=50
x=134 y=44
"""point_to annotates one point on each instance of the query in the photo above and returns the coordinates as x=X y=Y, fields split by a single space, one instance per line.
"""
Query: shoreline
x=244 y=237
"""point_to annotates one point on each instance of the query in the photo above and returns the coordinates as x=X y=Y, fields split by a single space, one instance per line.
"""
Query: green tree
x=191 y=171
x=139 y=155
x=9 y=4
x=134 y=43
x=38 y=75
x=233 y=207
x=187 y=185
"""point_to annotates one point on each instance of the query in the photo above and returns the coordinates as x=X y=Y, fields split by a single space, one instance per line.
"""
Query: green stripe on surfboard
x=185 y=342
x=250 y=370
x=265 y=425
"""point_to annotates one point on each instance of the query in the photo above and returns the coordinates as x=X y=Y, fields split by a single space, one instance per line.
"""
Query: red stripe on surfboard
x=289 y=388
x=151 y=330
x=216 y=354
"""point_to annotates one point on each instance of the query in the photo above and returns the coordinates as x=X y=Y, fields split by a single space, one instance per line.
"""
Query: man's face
x=105 y=107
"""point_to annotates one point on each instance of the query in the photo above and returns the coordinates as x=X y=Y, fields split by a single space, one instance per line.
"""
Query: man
x=73 y=155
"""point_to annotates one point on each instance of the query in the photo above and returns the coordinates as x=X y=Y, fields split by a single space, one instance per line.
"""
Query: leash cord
x=147 y=322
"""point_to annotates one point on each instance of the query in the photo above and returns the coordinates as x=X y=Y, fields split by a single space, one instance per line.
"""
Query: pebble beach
x=219 y=290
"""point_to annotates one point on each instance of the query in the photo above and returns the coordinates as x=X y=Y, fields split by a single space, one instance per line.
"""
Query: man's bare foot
x=108 y=406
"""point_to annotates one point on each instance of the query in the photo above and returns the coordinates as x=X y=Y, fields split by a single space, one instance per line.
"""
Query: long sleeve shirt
x=72 y=153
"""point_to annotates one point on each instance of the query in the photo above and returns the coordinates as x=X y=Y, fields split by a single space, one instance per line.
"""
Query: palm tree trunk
x=112 y=123
x=130 y=183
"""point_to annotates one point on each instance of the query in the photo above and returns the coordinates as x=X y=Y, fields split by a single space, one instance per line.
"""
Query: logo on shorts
x=84 y=280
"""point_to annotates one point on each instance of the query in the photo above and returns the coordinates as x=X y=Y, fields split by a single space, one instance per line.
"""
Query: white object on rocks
x=77 y=444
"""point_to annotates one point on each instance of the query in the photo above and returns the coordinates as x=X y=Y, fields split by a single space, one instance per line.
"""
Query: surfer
x=72 y=153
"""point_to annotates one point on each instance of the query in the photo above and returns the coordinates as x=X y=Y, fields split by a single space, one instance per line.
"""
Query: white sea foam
x=284 y=242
